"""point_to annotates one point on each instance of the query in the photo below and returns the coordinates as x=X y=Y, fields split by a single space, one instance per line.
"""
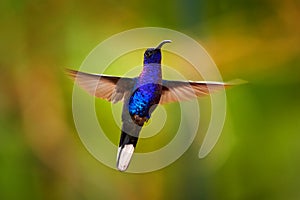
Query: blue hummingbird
x=140 y=96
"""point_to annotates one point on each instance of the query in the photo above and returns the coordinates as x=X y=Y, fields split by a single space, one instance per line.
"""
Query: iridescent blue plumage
x=143 y=99
x=148 y=88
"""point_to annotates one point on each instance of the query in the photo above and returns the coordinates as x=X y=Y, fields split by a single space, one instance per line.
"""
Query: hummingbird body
x=144 y=99
x=141 y=95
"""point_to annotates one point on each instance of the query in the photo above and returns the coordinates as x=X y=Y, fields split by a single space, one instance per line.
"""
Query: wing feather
x=174 y=91
x=110 y=88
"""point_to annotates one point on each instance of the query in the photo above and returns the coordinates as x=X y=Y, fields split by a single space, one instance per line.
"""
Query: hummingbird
x=140 y=96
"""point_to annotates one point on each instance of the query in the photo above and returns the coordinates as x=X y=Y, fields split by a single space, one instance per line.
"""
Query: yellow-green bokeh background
x=257 y=156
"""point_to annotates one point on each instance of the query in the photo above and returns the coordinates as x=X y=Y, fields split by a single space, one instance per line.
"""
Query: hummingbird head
x=153 y=55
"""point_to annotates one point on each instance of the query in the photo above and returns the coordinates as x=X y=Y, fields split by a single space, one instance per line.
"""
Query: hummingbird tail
x=125 y=150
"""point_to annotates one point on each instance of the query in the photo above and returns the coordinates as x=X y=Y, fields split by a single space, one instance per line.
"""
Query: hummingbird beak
x=162 y=43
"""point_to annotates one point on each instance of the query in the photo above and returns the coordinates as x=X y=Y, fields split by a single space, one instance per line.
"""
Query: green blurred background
x=257 y=156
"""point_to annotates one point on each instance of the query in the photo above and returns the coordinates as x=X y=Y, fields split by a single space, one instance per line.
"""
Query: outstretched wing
x=110 y=88
x=174 y=91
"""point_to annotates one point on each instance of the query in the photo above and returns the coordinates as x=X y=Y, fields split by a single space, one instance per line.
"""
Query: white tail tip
x=124 y=156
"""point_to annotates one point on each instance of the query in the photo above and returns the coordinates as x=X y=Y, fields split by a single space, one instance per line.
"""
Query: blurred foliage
x=257 y=156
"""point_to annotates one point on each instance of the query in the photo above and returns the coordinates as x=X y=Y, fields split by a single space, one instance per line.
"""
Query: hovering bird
x=140 y=96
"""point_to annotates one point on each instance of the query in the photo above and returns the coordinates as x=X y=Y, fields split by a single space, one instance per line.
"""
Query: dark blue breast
x=143 y=98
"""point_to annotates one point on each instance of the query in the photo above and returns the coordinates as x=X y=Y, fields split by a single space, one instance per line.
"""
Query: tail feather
x=128 y=140
x=125 y=150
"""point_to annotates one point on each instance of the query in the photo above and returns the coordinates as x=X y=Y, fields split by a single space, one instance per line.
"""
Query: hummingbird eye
x=148 y=53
